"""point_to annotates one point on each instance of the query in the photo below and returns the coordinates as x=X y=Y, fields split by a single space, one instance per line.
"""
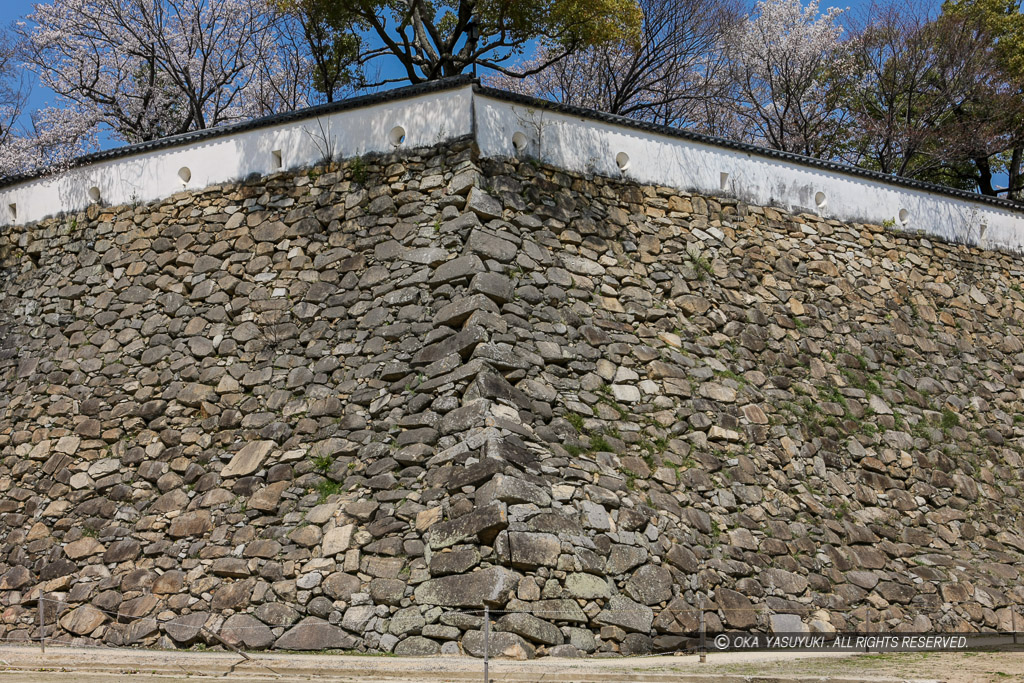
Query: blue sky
x=11 y=11
x=15 y=10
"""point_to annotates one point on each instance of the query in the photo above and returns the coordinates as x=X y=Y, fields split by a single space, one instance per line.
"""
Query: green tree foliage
x=1002 y=19
x=324 y=33
x=434 y=39
x=937 y=97
x=1001 y=106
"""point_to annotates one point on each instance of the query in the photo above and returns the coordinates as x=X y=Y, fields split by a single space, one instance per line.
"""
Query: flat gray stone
x=245 y=631
x=787 y=623
x=457 y=561
x=511 y=490
x=357 y=618
x=500 y=646
x=315 y=634
x=461 y=343
x=136 y=294
x=531 y=628
x=186 y=628
x=650 y=584
x=587 y=586
x=456 y=269
x=482 y=204
x=458 y=311
x=427 y=256
x=628 y=615
x=249 y=459
x=483 y=522
x=496 y=286
x=406 y=621
x=526 y=550
x=491 y=246
x=418 y=646
x=492 y=586
x=623 y=558
x=473 y=414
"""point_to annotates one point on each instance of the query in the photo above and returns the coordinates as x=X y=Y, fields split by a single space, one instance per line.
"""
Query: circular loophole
x=94 y=194
x=622 y=161
x=519 y=141
x=904 y=216
x=185 y=173
x=397 y=136
x=819 y=200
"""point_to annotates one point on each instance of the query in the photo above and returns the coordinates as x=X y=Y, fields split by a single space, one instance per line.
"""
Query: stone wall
x=348 y=408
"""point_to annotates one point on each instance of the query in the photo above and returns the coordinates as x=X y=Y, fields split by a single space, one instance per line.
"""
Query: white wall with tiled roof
x=591 y=145
x=504 y=125
x=424 y=120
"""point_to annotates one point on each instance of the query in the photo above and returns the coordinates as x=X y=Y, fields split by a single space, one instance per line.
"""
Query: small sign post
x=487 y=643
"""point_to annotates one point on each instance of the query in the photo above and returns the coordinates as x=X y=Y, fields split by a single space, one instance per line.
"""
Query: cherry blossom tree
x=790 y=73
x=150 y=68
x=670 y=75
x=52 y=140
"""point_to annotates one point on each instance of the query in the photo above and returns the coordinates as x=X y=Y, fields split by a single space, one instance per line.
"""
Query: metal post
x=703 y=646
x=42 y=623
x=487 y=643
x=1013 y=623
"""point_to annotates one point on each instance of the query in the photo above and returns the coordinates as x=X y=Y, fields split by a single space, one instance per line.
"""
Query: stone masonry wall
x=347 y=408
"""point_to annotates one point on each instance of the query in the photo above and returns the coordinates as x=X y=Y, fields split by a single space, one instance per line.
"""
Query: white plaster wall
x=585 y=145
x=427 y=119
x=570 y=142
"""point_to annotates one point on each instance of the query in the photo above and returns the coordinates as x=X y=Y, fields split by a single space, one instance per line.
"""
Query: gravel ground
x=950 y=667
x=84 y=665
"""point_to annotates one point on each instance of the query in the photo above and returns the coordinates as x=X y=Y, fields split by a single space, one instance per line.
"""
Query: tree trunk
x=984 y=176
x=1015 y=173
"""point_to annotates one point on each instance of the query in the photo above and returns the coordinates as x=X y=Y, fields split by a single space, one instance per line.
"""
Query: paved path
x=85 y=665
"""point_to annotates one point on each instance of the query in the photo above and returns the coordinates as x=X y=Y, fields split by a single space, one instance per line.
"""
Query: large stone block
x=622 y=612
x=492 y=586
x=500 y=645
x=249 y=459
x=186 y=628
x=190 y=524
x=83 y=620
x=245 y=631
x=531 y=628
x=526 y=550
x=650 y=585
x=484 y=524
x=512 y=490
x=737 y=609
x=315 y=634
x=587 y=586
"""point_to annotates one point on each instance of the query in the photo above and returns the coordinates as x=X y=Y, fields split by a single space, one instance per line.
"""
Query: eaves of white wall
x=420 y=121
x=585 y=145
x=506 y=129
